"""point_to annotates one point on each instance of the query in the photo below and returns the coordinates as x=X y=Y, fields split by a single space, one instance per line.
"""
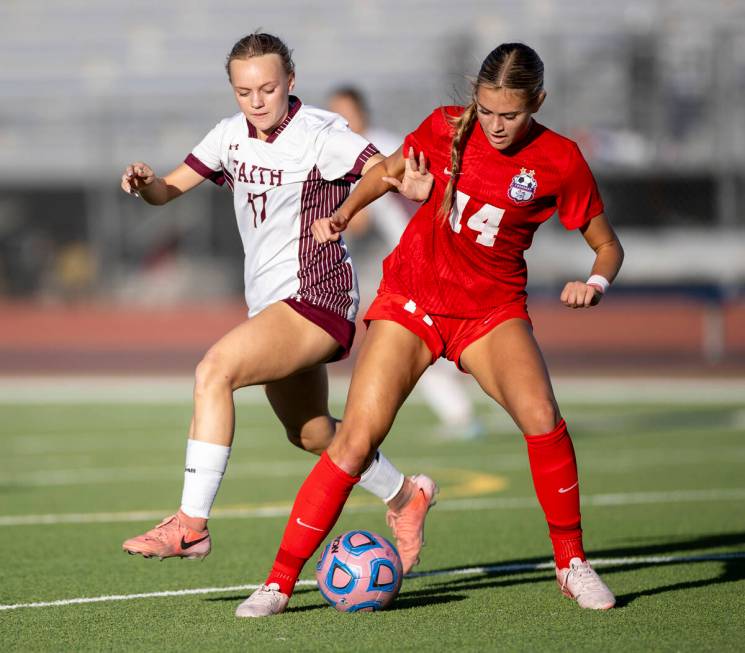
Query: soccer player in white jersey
x=287 y=164
x=440 y=386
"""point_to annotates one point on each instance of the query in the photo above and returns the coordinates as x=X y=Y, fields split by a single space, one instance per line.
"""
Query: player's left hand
x=417 y=181
x=577 y=294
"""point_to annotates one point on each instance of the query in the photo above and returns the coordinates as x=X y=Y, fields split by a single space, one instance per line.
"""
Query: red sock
x=317 y=507
x=554 y=470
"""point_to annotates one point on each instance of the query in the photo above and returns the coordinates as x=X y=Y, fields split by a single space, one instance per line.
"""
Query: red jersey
x=472 y=263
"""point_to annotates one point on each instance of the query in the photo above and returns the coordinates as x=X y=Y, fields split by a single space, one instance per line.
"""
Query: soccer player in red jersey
x=489 y=176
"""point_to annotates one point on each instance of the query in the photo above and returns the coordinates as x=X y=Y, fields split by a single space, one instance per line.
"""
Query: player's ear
x=291 y=81
x=538 y=102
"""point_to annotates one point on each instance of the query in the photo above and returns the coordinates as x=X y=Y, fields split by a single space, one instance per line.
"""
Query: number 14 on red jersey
x=485 y=221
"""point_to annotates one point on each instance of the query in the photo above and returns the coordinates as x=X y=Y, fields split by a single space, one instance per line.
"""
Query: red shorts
x=338 y=327
x=444 y=336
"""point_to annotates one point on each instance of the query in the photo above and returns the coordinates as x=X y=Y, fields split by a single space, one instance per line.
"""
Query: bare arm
x=140 y=180
x=362 y=218
x=600 y=236
x=407 y=175
x=373 y=183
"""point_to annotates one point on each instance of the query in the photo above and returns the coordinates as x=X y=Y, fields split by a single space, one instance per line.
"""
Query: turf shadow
x=733 y=569
x=732 y=572
x=242 y=597
x=407 y=600
x=485 y=582
x=442 y=592
x=666 y=545
x=674 y=544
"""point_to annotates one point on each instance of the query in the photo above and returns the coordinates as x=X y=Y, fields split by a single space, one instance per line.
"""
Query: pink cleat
x=170 y=539
x=581 y=582
x=407 y=524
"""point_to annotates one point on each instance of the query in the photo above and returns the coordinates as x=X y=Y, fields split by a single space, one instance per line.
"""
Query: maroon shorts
x=338 y=327
x=444 y=336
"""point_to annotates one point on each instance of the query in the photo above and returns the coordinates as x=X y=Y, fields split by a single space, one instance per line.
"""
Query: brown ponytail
x=463 y=125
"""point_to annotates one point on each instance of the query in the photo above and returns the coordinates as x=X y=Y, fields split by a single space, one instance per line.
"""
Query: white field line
x=622 y=462
x=178 y=389
x=466 y=571
x=111 y=475
x=486 y=503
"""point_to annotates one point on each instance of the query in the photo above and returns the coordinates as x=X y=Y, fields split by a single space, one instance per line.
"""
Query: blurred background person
x=441 y=386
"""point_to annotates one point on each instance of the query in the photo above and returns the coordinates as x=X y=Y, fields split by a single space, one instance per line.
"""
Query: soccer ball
x=359 y=571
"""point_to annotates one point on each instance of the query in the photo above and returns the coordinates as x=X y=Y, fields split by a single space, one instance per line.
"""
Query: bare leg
x=508 y=365
x=274 y=345
x=389 y=364
x=301 y=404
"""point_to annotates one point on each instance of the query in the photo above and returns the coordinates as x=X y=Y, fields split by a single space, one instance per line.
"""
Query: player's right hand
x=136 y=177
x=329 y=229
x=577 y=294
x=417 y=181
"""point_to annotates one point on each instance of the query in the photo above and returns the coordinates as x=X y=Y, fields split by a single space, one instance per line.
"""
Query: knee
x=538 y=416
x=314 y=436
x=212 y=373
x=352 y=449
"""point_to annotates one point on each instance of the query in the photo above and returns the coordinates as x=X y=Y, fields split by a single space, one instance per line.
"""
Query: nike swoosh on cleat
x=299 y=521
x=187 y=545
x=564 y=490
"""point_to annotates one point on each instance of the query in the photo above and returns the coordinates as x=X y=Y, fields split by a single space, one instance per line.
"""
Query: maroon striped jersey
x=302 y=172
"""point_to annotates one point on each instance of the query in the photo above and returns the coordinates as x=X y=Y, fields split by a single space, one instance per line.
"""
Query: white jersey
x=302 y=172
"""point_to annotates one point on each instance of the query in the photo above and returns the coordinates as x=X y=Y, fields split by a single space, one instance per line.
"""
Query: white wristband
x=599 y=281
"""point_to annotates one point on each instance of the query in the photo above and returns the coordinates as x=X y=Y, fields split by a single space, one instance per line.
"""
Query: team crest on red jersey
x=523 y=185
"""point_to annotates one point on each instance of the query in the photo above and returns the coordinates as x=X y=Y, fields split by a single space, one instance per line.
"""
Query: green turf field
x=663 y=505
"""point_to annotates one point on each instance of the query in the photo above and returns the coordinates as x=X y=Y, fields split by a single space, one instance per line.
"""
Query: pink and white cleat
x=264 y=602
x=170 y=539
x=407 y=524
x=581 y=582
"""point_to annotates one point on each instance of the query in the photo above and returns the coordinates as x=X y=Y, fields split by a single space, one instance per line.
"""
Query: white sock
x=381 y=478
x=205 y=466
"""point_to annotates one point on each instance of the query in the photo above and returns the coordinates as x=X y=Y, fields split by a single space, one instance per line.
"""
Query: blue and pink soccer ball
x=359 y=571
